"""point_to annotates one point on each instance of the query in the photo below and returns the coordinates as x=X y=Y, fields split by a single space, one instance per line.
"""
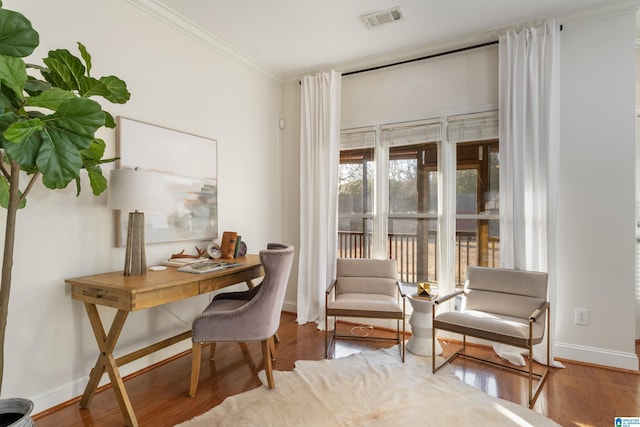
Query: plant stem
x=26 y=191
x=7 y=260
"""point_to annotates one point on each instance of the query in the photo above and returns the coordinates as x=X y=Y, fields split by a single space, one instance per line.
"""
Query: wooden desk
x=131 y=293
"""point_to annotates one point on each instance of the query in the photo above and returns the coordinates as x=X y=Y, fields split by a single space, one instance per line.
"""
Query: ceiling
x=287 y=38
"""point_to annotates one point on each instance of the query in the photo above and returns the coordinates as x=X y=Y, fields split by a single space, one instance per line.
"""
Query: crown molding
x=197 y=33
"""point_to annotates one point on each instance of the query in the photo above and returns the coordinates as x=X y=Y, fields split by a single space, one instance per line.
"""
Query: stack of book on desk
x=181 y=262
x=207 y=266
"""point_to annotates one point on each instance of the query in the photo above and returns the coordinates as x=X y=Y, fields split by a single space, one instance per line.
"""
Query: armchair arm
x=447 y=297
x=401 y=289
x=331 y=286
x=539 y=311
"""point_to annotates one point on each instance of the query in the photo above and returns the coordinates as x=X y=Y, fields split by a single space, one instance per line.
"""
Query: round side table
x=421 y=327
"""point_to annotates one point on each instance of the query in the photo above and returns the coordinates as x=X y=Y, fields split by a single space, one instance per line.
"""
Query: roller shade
x=357 y=138
x=410 y=133
x=473 y=127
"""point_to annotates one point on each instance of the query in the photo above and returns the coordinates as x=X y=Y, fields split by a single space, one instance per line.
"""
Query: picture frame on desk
x=188 y=166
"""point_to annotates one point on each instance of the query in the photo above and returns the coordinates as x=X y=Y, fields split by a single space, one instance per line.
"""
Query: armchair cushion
x=490 y=326
x=378 y=305
x=505 y=292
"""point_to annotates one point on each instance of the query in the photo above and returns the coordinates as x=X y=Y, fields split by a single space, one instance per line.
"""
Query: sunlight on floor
x=510 y=415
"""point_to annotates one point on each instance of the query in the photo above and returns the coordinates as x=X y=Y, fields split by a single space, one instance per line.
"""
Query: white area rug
x=367 y=389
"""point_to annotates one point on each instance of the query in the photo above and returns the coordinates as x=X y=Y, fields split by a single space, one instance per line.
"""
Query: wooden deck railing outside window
x=404 y=248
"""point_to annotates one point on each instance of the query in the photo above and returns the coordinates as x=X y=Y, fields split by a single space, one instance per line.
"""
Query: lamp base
x=135 y=259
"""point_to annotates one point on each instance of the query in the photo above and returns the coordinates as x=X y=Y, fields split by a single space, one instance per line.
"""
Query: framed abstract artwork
x=187 y=164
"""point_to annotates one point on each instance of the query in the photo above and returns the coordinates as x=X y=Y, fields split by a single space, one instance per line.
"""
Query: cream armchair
x=500 y=305
x=366 y=288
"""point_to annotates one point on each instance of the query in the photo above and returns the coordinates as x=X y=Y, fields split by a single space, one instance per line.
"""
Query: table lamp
x=135 y=190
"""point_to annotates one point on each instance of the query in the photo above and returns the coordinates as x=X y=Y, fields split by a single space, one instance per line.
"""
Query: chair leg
x=272 y=347
x=329 y=336
x=326 y=334
x=212 y=350
x=195 y=367
x=401 y=338
x=266 y=356
x=404 y=327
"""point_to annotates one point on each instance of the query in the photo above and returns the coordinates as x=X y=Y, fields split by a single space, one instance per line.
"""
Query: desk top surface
x=159 y=287
x=116 y=280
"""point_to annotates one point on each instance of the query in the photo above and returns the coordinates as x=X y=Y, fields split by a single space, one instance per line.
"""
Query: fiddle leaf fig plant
x=47 y=128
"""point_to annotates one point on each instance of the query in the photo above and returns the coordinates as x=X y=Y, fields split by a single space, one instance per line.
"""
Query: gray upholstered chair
x=501 y=305
x=365 y=288
x=252 y=315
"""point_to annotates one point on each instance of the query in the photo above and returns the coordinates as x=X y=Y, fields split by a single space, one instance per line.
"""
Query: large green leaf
x=65 y=69
x=93 y=87
x=77 y=120
x=23 y=142
x=109 y=121
x=117 y=88
x=96 y=179
x=4 y=194
x=23 y=130
x=86 y=56
x=58 y=160
x=92 y=154
x=6 y=120
x=17 y=36
x=67 y=132
x=6 y=99
x=50 y=99
x=13 y=74
x=34 y=86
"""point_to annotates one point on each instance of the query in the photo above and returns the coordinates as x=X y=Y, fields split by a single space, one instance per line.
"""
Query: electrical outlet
x=582 y=316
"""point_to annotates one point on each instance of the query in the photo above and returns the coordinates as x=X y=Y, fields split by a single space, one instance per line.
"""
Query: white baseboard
x=290 y=306
x=597 y=356
x=75 y=388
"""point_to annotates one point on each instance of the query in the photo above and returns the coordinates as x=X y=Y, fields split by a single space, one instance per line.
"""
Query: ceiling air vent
x=376 y=19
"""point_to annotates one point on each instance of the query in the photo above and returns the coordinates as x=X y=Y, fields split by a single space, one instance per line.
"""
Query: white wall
x=175 y=82
x=595 y=253
x=596 y=206
x=291 y=182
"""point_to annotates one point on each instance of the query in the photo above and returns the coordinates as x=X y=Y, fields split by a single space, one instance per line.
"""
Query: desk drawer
x=161 y=296
x=215 y=283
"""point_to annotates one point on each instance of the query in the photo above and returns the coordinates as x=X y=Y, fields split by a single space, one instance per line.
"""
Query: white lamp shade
x=134 y=189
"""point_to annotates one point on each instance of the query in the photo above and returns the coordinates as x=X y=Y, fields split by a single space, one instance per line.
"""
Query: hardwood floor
x=578 y=395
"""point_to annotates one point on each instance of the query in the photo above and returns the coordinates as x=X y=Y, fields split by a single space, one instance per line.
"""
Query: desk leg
x=250 y=285
x=106 y=361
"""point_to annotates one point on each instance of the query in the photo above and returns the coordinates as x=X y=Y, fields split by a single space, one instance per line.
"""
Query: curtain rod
x=422 y=58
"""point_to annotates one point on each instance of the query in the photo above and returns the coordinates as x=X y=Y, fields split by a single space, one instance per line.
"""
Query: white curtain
x=319 y=161
x=529 y=138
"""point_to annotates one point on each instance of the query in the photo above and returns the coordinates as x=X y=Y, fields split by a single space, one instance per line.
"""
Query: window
x=356 y=175
x=413 y=207
x=397 y=196
x=477 y=225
